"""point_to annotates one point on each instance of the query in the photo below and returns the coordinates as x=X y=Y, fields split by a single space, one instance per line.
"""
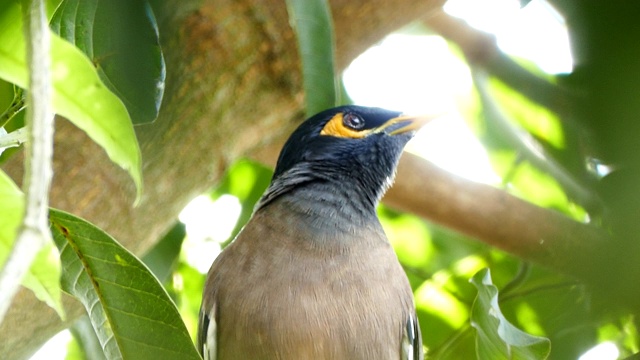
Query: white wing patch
x=411 y=341
x=209 y=346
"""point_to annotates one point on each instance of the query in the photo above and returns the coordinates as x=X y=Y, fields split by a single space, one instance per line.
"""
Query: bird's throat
x=326 y=208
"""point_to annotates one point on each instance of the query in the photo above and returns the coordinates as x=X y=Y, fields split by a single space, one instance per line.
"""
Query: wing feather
x=412 y=340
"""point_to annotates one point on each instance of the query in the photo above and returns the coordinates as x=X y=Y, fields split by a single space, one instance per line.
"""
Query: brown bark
x=495 y=217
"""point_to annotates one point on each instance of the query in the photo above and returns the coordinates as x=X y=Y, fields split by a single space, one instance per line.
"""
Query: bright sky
x=414 y=74
x=429 y=78
x=426 y=79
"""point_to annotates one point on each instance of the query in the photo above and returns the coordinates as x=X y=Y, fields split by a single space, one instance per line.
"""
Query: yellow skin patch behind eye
x=335 y=127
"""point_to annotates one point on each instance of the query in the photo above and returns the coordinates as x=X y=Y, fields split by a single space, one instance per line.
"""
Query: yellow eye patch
x=335 y=127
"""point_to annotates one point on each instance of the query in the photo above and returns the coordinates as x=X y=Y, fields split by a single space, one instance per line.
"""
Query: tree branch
x=497 y=218
x=34 y=230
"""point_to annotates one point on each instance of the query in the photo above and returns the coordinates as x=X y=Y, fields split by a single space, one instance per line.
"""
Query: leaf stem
x=12 y=139
x=34 y=231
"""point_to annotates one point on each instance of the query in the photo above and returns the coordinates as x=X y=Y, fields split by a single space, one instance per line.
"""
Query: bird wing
x=412 y=340
x=207 y=333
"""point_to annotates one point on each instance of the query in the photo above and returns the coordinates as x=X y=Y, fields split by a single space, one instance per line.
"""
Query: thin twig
x=546 y=287
x=12 y=139
x=34 y=231
x=523 y=272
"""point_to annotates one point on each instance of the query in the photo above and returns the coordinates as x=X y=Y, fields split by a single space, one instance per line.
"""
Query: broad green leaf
x=496 y=337
x=43 y=278
x=78 y=94
x=121 y=39
x=129 y=309
x=85 y=343
x=311 y=20
x=11 y=211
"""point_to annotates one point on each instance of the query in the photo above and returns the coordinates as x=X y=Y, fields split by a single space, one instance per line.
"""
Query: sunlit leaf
x=536 y=119
x=11 y=211
x=311 y=20
x=538 y=187
x=496 y=337
x=410 y=239
x=51 y=7
x=129 y=309
x=78 y=93
x=247 y=181
x=43 y=277
x=121 y=39
x=432 y=297
x=187 y=286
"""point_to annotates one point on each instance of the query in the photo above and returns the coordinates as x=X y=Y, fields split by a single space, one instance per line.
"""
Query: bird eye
x=352 y=121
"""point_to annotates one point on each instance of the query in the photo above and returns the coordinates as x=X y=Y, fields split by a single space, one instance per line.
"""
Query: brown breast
x=285 y=292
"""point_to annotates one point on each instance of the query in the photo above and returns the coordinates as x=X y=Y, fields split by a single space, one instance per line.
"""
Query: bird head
x=353 y=149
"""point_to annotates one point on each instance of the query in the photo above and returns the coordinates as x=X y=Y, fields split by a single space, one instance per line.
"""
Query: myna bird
x=312 y=274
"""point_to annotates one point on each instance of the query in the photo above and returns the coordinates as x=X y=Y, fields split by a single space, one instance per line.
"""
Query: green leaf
x=78 y=93
x=496 y=337
x=311 y=20
x=410 y=239
x=536 y=119
x=11 y=211
x=43 y=278
x=85 y=343
x=51 y=7
x=129 y=309
x=121 y=38
x=163 y=256
x=187 y=289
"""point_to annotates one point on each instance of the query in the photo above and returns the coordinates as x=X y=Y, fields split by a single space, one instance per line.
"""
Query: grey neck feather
x=327 y=205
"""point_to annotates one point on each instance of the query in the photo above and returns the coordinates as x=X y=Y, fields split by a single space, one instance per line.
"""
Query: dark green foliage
x=121 y=39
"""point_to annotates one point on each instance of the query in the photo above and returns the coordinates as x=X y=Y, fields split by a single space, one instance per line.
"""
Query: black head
x=349 y=147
